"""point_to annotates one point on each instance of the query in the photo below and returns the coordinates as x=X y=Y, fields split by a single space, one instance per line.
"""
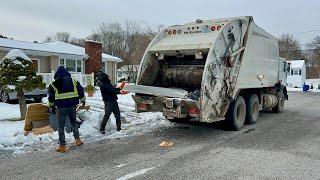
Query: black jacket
x=63 y=82
x=108 y=92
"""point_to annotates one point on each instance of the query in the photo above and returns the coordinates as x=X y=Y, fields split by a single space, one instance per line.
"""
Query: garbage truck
x=212 y=70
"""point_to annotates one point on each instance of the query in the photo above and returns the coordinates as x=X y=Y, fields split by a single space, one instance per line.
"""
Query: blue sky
x=35 y=19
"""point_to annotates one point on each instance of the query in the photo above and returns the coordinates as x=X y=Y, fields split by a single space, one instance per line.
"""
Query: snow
x=14 y=53
x=11 y=87
x=59 y=48
x=21 y=78
x=9 y=112
x=290 y=89
x=12 y=134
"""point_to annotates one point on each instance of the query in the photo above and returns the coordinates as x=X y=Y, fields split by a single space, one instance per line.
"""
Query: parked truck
x=224 y=69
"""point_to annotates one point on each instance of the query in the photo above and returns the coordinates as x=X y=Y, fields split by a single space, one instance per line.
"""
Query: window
x=70 y=65
x=296 y=72
x=79 y=66
x=62 y=62
x=35 y=64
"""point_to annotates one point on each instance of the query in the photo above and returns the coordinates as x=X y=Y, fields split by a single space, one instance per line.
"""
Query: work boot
x=118 y=128
x=62 y=148
x=78 y=142
x=102 y=131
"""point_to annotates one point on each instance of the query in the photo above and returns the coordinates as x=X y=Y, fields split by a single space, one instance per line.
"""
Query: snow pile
x=12 y=137
x=14 y=53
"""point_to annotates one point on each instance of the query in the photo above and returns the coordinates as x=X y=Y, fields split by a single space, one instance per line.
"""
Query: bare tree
x=313 y=63
x=59 y=36
x=289 y=47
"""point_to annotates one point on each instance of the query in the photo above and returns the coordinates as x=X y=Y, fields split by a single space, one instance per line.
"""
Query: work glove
x=123 y=92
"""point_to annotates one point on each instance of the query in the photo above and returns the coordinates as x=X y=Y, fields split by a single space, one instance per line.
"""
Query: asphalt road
x=279 y=146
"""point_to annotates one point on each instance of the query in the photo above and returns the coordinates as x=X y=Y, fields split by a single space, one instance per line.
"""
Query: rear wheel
x=237 y=113
x=280 y=106
x=253 y=109
x=4 y=97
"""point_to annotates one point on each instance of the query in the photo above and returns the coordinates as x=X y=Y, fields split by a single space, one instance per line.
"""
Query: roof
x=296 y=63
x=54 y=48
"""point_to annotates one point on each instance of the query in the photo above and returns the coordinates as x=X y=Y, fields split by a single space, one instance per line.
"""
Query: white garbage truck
x=223 y=69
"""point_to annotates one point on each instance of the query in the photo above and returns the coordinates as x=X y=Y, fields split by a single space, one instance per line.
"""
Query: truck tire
x=252 y=109
x=237 y=113
x=280 y=106
x=4 y=97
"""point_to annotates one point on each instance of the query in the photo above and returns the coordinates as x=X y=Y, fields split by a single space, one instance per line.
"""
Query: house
x=78 y=60
x=297 y=76
x=127 y=73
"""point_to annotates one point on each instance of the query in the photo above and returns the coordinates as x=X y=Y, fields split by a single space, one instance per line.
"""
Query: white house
x=81 y=62
x=297 y=75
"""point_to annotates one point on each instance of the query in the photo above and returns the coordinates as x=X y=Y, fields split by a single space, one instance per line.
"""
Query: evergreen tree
x=17 y=74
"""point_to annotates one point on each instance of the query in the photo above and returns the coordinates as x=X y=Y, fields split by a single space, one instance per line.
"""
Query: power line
x=304 y=32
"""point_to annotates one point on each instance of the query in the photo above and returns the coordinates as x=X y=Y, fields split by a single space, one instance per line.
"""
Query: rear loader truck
x=224 y=69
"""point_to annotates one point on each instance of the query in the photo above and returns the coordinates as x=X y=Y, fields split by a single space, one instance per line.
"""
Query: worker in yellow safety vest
x=64 y=94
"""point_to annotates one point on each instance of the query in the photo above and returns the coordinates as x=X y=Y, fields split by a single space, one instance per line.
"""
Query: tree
x=17 y=74
x=59 y=36
x=289 y=47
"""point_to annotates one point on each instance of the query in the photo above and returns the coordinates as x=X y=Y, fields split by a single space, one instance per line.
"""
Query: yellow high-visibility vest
x=67 y=95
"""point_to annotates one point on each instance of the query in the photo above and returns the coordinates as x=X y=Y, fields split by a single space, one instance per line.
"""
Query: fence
x=84 y=79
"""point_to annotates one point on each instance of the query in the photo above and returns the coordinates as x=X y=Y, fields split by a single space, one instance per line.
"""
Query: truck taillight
x=170 y=32
x=174 y=31
x=193 y=111
x=218 y=28
x=213 y=28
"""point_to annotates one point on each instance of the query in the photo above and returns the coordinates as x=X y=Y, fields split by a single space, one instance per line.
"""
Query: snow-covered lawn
x=9 y=112
x=12 y=135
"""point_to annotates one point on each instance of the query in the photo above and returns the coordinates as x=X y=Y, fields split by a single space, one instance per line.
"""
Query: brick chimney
x=94 y=50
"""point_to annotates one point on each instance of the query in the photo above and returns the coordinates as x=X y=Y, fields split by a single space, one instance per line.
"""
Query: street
x=278 y=146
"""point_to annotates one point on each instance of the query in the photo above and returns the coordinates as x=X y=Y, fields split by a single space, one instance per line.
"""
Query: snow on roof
x=107 y=57
x=60 y=48
x=297 y=63
x=14 y=53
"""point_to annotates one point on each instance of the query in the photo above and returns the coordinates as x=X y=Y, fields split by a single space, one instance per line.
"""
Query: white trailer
x=229 y=69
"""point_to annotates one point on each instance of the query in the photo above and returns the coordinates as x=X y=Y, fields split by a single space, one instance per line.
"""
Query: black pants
x=110 y=107
x=62 y=114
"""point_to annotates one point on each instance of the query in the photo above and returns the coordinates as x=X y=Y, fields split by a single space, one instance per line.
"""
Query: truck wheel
x=252 y=109
x=5 y=97
x=280 y=106
x=237 y=113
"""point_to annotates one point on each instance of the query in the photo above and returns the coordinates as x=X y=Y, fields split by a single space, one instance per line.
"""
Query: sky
x=36 y=19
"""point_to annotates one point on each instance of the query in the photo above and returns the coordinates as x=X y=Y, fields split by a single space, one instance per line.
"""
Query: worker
x=65 y=93
x=109 y=95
